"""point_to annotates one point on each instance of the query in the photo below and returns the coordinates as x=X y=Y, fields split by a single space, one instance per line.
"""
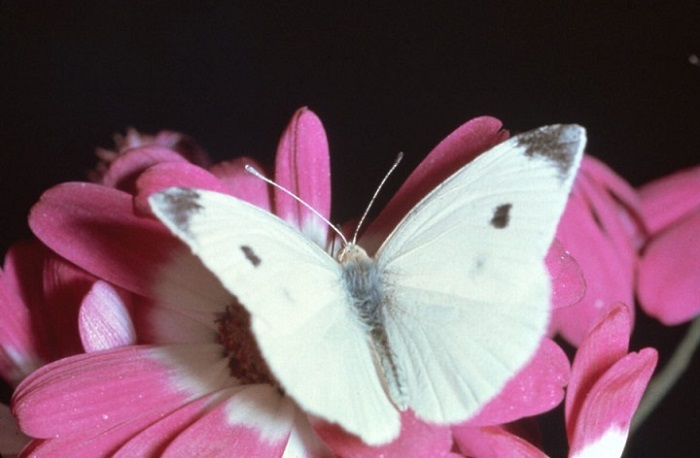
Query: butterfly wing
x=299 y=311
x=468 y=292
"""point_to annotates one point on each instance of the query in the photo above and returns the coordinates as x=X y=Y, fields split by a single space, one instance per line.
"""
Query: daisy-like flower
x=606 y=386
x=602 y=228
x=170 y=365
x=669 y=270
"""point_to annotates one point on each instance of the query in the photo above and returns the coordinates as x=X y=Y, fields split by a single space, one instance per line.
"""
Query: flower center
x=245 y=360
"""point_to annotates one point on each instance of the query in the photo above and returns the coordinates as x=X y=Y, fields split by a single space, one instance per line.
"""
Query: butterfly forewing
x=300 y=313
x=468 y=294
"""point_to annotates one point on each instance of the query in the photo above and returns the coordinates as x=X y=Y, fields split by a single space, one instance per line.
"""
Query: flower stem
x=664 y=381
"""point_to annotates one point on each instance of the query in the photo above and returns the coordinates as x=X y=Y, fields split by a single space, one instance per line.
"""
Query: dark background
x=383 y=79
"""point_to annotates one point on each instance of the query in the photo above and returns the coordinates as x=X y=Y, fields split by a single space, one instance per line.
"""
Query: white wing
x=300 y=314
x=468 y=292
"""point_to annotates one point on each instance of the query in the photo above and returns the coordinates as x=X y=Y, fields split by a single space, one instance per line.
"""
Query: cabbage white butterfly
x=451 y=307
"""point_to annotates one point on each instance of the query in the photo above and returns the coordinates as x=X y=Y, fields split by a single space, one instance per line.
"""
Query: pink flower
x=39 y=298
x=602 y=229
x=606 y=386
x=156 y=379
x=171 y=366
x=669 y=270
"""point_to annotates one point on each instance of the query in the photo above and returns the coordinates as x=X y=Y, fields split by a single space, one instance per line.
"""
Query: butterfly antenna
x=398 y=159
x=250 y=169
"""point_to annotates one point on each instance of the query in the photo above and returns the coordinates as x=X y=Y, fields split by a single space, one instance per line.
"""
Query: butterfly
x=453 y=304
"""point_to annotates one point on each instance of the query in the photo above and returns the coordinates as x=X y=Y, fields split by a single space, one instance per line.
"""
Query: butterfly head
x=351 y=252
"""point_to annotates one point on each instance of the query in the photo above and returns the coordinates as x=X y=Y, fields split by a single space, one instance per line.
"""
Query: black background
x=383 y=78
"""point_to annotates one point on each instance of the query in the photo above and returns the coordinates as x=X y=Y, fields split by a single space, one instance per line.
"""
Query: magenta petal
x=65 y=286
x=94 y=392
x=123 y=172
x=255 y=421
x=169 y=174
x=568 y=284
x=416 y=439
x=242 y=184
x=94 y=227
x=609 y=274
x=456 y=150
x=104 y=319
x=153 y=440
x=22 y=328
x=669 y=273
x=39 y=295
x=605 y=344
x=537 y=388
x=303 y=167
x=670 y=198
x=493 y=442
x=604 y=418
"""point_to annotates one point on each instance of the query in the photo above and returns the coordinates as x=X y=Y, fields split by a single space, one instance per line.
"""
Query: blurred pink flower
x=602 y=229
x=39 y=298
x=606 y=386
x=669 y=270
x=156 y=376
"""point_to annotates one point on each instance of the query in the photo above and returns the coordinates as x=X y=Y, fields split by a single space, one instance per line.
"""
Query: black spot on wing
x=557 y=144
x=250 y=255
x=180 y=205
x=501 y=216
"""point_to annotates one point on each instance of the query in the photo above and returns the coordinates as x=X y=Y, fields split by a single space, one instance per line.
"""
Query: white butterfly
x=453 y=305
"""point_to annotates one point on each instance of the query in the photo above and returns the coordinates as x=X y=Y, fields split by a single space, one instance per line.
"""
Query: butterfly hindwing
x=468 y=294
x=299 y=312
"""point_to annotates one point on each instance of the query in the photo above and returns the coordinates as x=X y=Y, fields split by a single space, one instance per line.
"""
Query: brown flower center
x=245 y=360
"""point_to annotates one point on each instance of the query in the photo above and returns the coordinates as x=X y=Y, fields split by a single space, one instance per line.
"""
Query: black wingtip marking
x=180 y=204
x=501 y=216
x=557 y=144
x=250 y=255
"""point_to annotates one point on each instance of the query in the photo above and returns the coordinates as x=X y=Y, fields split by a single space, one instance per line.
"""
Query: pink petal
x=23 y=343
x=537 y=388
x=568 y=284
x=122 y=173
x=39 y=295
x=153 y=440
x=608 y=272
x=255 y=421
x=91 y=393
x=604 y=418
x=303 y=167
x=104 y=319
x=605 y=344
x=166 y=175
x=241 y=184
x=493 y=442
x=456 y=150
x=65 y=286
x=669 y=273
x=416 y=439
x=671 y=198
x=95 y=227
x=629 y=209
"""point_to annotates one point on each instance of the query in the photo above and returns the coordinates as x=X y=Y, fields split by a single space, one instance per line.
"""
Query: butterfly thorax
x=368 y=295
x=364 y=285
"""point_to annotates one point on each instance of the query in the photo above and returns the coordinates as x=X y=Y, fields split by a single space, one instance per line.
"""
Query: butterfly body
x=370 y=297
x=451 y=306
